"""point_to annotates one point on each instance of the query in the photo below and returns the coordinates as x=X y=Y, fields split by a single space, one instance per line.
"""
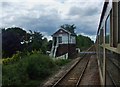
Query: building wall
x=72 y=51
x=63 y=42
x=65 y=48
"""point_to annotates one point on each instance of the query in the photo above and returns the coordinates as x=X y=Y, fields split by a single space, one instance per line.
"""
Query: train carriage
x=108 y=43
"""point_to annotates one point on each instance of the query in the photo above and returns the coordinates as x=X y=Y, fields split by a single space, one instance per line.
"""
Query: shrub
x=28 y=68
x=39 y=66
x=10 y=75
x=61 y=62
x=13 y=59
x=33 y=67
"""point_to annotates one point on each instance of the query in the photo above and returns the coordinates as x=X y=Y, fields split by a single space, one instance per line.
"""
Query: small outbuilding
x=64 y=44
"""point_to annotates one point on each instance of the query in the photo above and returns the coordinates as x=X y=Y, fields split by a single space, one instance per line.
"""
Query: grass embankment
x=30 y=69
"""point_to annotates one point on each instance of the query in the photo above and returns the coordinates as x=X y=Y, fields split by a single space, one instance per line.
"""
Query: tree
x=16 y=39
x=49 y=45
x=70 y=28
x=44 y=45
x=36 y=41
x=83 y=42
x=11 y=40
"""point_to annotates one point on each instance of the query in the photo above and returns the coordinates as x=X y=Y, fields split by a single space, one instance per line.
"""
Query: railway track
x=74 y=75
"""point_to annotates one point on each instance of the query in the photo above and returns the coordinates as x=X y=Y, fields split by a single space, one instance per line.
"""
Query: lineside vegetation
x=31 y=69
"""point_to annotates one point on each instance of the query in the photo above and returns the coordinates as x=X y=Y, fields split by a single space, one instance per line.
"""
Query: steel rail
x=67 y=72
x=80 y=78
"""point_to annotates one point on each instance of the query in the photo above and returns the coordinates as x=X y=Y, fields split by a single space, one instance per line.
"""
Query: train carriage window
x=107 y=30
x=119 y=22
x=115 y=23
x=111 y=29
x=112 y=66
x=101 y=36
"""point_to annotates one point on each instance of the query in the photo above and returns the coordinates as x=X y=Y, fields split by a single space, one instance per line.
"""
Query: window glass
x=101 y=36
x=119 y=22
x=112 y=66
x=65 y=39
x=59 y=39
x=100 y=52
x=107 y=30
x=72 y=39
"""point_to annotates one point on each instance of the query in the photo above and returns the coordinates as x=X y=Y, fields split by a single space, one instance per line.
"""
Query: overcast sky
x=46 y=16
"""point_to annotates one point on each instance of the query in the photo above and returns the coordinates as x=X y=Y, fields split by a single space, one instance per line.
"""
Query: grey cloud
x=46 y=23
x=83 y=11
x=5 y=4
x=88 y=18
x=86 y=30
x=39 y=18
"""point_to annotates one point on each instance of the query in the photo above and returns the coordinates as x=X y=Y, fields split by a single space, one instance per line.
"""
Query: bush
x=29 y=68
x=61 y=62
x=13 y=59
x=33 y=67
x=39 y=66
x=10 y=75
